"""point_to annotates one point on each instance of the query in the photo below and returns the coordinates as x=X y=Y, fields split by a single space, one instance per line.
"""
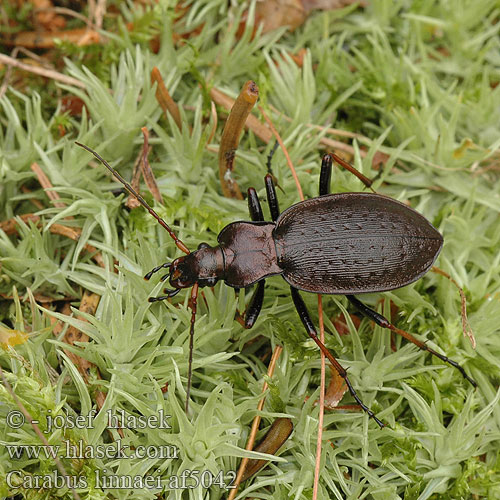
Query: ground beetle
x=345 y=244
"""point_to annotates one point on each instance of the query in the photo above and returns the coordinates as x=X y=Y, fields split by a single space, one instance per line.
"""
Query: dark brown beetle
x=343 y=244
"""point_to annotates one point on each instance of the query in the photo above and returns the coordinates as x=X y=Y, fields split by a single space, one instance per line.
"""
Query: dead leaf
x=335 y=390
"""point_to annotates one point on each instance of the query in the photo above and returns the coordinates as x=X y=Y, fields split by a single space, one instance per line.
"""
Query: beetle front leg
x=255 y=306
x=311 y=330
x=249 y=317
x=385 y=323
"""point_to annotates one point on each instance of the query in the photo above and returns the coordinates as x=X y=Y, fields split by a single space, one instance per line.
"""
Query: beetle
x=337 y=244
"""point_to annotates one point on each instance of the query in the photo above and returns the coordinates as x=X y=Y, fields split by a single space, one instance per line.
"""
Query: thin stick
x=74 y=233
x=47 y=185
x=329 y=130
x=68 y=12
x=135 y=181
x=140 y=199
x=147 y=172
x=342 y=146
x=48 y=73
x=100 y=10
x=255 y=424
x=321 y=403
x=466 y=329
x=321 y=324
x=213 y=113
x=163 y=96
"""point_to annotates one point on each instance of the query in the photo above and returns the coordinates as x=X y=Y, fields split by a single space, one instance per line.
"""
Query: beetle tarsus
x=270 y=158
x=363 y=406
x=446 y=359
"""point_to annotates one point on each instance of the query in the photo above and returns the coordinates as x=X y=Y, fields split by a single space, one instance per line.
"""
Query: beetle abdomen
x=352 y=243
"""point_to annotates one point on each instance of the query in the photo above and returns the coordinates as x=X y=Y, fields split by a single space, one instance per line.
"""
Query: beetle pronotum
x=343 y=244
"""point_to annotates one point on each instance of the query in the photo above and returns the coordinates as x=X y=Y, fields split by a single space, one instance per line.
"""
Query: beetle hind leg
x=385 y=323
x=325 y=174
x=311 y=330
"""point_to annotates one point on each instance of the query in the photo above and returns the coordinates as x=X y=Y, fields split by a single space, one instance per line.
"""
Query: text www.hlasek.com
x=80 y=450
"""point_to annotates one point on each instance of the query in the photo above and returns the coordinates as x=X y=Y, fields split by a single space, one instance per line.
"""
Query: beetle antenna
x=139 y=198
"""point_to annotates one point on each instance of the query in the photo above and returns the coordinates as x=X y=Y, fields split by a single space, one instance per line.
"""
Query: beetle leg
x=384 y=323
x=270 y=157
x=249 y=317
x=325 y=175
x=311 y=330
x=254 y=205
x=253 y=311
x=271 y=197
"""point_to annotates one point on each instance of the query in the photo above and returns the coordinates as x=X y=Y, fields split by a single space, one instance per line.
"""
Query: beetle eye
x=203 y=245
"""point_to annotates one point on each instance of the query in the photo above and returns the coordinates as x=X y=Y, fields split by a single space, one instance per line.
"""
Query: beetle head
x=203 y=266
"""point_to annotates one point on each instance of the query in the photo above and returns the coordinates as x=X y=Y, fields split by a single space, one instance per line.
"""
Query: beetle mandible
x=337 y=244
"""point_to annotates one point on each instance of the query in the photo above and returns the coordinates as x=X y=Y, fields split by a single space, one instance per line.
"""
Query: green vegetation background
x=420 y=80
